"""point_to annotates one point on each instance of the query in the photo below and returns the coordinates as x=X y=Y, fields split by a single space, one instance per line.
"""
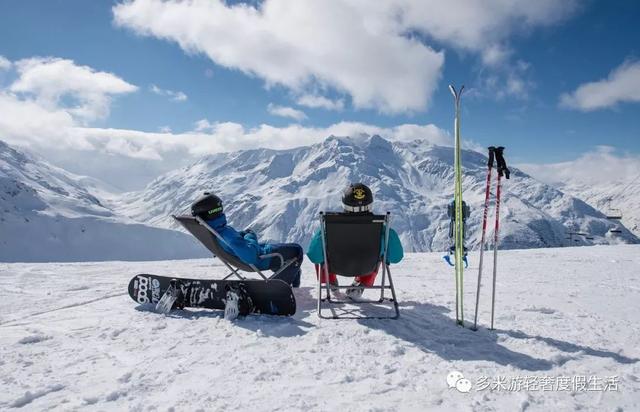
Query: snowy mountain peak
x=279 y=194
x=377 y=143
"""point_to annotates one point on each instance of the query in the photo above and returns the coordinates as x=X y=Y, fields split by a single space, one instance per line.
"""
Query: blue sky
x=546 y=51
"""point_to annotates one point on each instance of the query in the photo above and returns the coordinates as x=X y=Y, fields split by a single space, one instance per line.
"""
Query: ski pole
x=484 y=231
x=495 y=248
x=502 y=171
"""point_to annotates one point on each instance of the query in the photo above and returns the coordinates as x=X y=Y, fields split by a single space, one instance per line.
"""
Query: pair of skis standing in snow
x=458 y=212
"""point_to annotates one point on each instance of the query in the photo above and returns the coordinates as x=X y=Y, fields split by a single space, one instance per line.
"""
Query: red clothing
x=365 y=280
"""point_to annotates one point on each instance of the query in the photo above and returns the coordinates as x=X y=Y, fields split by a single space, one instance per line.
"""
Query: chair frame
x=386 y=272
x=233 y=263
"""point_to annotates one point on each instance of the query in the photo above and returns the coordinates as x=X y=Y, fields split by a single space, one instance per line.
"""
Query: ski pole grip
x=503 y=170
x=491 y=157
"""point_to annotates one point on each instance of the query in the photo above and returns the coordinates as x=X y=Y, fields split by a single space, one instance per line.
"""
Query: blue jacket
x=244 y=246
x=394 y=251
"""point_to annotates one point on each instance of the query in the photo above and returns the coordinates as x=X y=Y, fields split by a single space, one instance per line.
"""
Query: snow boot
x=333 y=287
x=355 y=293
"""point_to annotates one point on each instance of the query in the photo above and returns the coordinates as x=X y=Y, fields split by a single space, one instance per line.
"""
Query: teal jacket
x=394 y=251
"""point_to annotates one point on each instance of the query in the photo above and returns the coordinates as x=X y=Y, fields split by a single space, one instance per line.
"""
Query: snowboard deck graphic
x=270 y=297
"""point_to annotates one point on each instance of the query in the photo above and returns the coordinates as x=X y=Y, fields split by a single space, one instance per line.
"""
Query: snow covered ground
x=566 y=339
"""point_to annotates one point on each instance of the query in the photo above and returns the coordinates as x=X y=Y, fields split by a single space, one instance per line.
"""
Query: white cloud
x=5 y=64
x=283 y=111
x=622 y=85
x=315 y=101
x=151 y=154
x=45 y=107
x=494 y=55
x=481 y=26
x=508 y=80
x=176 y=96
x=229 y=136
x=49 y=81
x=602 y=165
x=300 y=44
x=361 y=48
x=61 y=84
x=28 y=124
x=111 y=154
x=165 y=129
x=203 y=125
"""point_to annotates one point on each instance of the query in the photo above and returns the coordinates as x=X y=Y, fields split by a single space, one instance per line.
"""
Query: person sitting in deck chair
x=356 y=199
x=245 y=245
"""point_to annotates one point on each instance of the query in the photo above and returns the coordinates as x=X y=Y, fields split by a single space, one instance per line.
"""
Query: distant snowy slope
x=621 y=198
x=103 y=191
x=46 y=214
x=279 y=193
x=607 y=181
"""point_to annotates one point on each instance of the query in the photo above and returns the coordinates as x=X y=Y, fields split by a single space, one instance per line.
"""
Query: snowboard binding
x=173 y=298
x=237 y=302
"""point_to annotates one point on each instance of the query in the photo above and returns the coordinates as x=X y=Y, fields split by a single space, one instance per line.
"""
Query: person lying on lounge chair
x=245 y=245
x=357 y=198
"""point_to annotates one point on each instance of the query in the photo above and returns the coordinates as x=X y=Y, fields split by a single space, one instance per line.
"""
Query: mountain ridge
x=279 y=194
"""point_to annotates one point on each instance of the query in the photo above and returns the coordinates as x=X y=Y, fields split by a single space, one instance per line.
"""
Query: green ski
x=459 y=224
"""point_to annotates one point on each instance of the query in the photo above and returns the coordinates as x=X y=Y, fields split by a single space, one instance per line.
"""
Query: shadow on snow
x=427 y=326
x=431 y=329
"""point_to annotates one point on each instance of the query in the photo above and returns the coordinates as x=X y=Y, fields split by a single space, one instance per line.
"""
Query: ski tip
x=453 y=90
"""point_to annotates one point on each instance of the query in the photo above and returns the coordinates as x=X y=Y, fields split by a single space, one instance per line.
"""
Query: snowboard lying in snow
x=271 y=297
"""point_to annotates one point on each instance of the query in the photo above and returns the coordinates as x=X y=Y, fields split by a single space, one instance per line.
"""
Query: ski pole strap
x=503 y=170
x=491 y=157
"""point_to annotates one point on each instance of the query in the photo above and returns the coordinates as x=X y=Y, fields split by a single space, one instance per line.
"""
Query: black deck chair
x=351 y=244
x=211 y=240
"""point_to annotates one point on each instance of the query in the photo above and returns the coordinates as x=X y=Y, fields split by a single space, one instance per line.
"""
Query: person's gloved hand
x=248 y=234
